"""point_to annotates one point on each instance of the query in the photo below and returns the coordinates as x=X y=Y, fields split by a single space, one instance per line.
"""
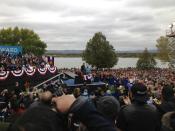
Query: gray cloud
x=40 y=5
x=138 y=17
x=153 y=3
x=142 y=28
x=127 y=24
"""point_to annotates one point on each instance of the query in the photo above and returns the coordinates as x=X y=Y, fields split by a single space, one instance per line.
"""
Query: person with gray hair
x=45 y=99
x=109 y=107
x=168 y=121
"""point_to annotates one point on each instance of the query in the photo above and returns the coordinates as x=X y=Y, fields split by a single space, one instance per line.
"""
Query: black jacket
x=165 y=107
x=138 y=117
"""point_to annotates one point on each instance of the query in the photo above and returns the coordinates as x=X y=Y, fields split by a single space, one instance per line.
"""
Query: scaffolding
x=171 y=35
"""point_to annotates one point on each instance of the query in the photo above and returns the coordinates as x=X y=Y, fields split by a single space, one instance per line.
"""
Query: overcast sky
x=69 y=24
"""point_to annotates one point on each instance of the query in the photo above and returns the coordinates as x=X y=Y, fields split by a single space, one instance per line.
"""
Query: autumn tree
x=26 y=38
x=163 y=49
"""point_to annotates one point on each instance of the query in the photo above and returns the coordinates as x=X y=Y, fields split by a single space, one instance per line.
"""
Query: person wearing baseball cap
x=139 y=93
x=138 y=116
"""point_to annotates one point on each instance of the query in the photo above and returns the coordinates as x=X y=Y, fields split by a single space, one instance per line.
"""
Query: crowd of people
x=9 y=62
x=132 y=100
x=100 y=112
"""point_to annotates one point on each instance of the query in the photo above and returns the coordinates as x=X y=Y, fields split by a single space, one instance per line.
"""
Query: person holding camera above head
x=45 y=119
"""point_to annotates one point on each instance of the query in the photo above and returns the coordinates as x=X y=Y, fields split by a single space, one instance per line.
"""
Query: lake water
x=62 y=62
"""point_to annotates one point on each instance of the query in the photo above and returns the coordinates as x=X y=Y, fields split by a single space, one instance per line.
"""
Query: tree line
x=98 y=52
x=101 y=54
x=26 y=38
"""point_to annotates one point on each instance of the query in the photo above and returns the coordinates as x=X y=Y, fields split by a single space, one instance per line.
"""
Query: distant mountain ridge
x=81 y=51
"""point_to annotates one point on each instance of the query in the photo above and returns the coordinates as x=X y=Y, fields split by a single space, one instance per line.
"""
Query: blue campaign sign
x=11 y=49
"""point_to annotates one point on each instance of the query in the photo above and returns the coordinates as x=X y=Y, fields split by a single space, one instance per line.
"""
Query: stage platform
x=71 y=83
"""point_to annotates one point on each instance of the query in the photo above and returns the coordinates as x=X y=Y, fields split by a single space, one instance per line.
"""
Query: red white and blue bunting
x=52 y=69
x=88 y=77
x=42 y=71
x=17 y=73
x=4 y=75
x=29 y=72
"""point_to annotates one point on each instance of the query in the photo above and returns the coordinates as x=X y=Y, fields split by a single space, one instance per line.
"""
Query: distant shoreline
x=65 y=55
x=123 y=55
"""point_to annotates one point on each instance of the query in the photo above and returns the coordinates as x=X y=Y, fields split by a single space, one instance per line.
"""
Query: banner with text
x=11 y=49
